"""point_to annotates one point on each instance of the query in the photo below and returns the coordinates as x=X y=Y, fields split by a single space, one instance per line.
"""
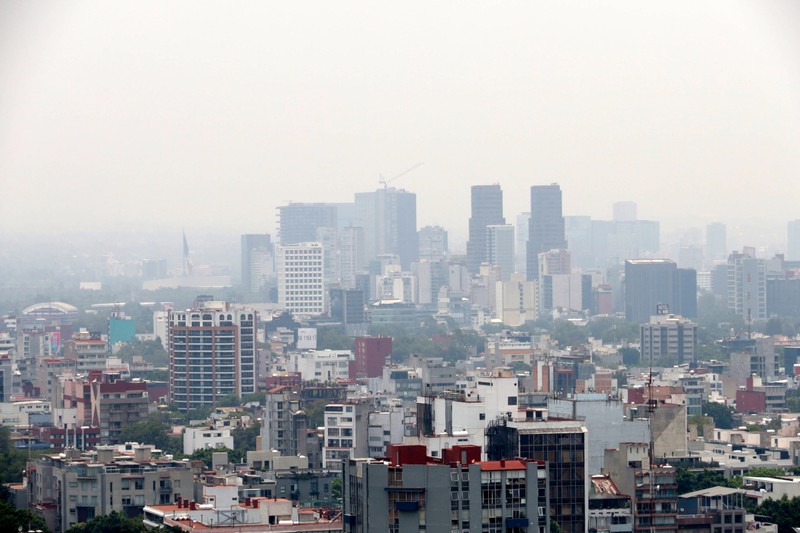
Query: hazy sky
x=209 y=115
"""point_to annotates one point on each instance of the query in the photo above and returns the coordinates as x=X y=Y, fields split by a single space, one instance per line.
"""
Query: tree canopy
x=11 y=519
x=153 y=431
x=722 y=414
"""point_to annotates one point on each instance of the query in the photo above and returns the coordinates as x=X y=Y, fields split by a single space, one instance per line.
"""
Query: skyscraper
x=650 y=283
x=299 y=222
x=432 y=243
x=500 y=248
x=546 y=226
x=389 y=219
x=747 y=286
x=523 y=220
x=716 y=241
x=211 y=354
x=301 y=278
x=487 y=209
x=351 y=255
x=257 y=260
x=793 y=249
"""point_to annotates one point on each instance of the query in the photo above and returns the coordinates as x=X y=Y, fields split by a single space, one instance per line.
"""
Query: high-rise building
x=389 y=219
x=523 y=220
x=487 y=210
x=654 y=286
x=432 y=243
x=299 y=222
x=578 y=230
x=747 y=286
x=546 y=225
x=500 y=248
x=301 y=278
x=668 y=336
x=352 y=258
x=793 y=248
x=211 y=354
x=257 y=261
x=716 y=241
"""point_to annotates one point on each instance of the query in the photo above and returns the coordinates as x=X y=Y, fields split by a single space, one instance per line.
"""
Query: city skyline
x=289 y=104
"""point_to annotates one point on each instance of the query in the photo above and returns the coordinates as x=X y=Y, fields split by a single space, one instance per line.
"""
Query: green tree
x=332 y=338
x=336 y=489
x=315 y=411
x=205 y=454
x=12 y=460
x=690 y=481
x=722 y=415
x=567 y=334
x=245 y=438
x=12 y=519
x=766 y=471
x=115 y=522
x=630 y=356
x=785 y=513
x=229 y=400
x=153 y=431
x=773 y=326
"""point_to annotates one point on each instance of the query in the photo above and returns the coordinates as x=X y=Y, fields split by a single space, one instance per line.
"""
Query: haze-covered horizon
x=128 y=116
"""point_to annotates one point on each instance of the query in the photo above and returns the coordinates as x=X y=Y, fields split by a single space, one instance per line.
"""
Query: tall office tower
x=686 y=292
x=258 y=261
x=299 y=221
x=747 y=286
x=211 y=354
x=716 y=241
x=432 y=243
x=546 y=227
x=500 y=249
x=521 y=262
x=624 y=211
x=793 y=249
x=330 y=248
x=487 y=210
x=352 y=259
x=578 y=231
x=651 y=284
x=389 y=219
x=301 y=278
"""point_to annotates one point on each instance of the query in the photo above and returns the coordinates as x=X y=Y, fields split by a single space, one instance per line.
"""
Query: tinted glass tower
x=546 y=225
x=487 y=210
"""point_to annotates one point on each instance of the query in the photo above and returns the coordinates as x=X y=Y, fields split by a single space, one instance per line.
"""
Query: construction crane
x=386 y=182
